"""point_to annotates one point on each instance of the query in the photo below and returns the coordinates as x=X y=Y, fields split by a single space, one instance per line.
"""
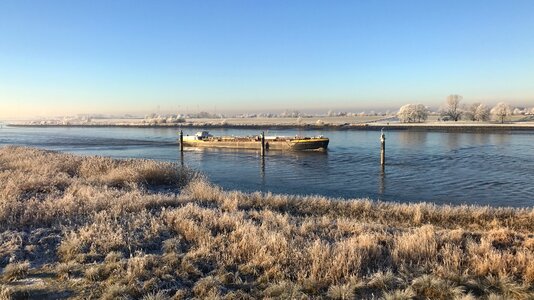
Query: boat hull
x=292 y=145
x=311 y=144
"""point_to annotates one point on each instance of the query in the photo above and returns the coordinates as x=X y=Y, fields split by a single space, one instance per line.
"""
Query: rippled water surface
x=482 y=168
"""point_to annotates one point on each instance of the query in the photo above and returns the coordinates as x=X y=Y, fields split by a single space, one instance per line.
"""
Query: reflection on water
x=480 y=138
x=410 y=138
x=494 y=169
x=453 y=141
x=262 y=159
x=382 y=181
x=500 y=139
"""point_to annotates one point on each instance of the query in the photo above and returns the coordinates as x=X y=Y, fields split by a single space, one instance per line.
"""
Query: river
x=494 y=169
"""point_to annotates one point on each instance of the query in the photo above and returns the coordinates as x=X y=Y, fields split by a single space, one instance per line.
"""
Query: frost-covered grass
x=91 y=227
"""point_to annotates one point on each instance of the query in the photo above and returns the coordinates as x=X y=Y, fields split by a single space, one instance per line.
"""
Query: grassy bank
x=429 y=127
x=516 y=123
x=90 y=227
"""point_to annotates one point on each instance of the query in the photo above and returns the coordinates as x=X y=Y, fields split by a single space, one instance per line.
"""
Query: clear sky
x=66 y=57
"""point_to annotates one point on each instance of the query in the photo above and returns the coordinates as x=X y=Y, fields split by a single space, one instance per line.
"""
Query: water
x=452 y=168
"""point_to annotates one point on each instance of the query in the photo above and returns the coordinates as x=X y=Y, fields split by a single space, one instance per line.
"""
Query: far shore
x=327 y=123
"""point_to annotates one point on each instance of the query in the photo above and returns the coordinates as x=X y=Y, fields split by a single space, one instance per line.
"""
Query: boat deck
x=254 y=142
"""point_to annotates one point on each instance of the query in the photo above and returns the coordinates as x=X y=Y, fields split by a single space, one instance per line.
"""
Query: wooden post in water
x=263 y=144
x=382 y=148
x=181 y=141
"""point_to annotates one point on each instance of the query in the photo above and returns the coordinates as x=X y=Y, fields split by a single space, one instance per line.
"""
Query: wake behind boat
x=204 y=139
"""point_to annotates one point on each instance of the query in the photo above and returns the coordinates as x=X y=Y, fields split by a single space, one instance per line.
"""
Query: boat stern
x=310 y=144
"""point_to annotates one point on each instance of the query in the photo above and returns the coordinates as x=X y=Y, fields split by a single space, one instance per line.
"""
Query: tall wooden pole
x=382 y=148
x=181 y=141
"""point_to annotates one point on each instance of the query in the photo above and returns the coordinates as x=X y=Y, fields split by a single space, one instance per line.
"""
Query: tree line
x=454 y=110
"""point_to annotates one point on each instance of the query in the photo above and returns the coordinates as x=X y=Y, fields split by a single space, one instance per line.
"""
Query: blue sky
x=64 y=57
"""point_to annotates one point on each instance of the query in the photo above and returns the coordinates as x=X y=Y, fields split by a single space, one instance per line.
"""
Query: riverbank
x=83 y=227
x=315 y=123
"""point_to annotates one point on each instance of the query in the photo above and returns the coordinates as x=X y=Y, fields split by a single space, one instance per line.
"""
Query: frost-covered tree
x=290 y=114
x=421 y=112
x=452 y=109
x=501 y=111
x=476 y=112
x=482 y=113
x=518 y=111
x=469 y=112
x=405 y=113
x=413 y=113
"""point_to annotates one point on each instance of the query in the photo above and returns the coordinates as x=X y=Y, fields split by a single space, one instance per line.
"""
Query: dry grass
x=112 y=229
x=14 y=271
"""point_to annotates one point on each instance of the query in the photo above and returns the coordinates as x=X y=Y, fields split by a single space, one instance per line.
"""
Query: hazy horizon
x=68 y=58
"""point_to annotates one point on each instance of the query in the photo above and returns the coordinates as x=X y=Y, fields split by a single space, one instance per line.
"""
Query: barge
x=204 y=139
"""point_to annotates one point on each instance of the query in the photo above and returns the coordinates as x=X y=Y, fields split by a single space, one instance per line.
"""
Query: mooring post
x=181 y=141
x=382 y=148
x=263 y=143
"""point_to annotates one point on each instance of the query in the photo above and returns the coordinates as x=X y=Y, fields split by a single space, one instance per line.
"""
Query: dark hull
x=312 y=145
x=297 y=145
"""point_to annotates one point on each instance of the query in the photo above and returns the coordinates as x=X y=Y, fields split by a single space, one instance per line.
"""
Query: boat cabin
x=202 y=135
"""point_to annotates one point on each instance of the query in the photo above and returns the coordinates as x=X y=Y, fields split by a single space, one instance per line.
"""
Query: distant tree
x=290 y=114
x=421 y=112
x=413 y=113
x=452 y=109
x=469 y=112
x=501 y=111
x=518 y=111
x=204 y=115
x=406 y=113
x=482 y=113
x=476 y=112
